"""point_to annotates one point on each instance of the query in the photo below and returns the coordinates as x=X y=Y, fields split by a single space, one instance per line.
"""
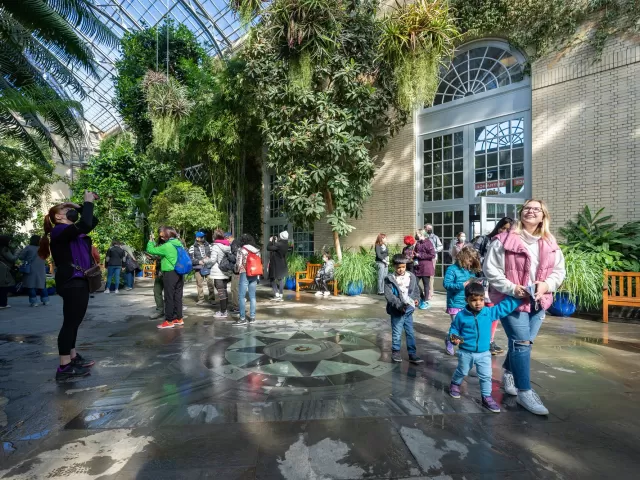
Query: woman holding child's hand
x=526 y=255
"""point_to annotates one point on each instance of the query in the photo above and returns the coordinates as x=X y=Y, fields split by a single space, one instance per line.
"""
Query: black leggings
x=221 y=287
x=75 y=300
x=278 y=285
x=424 y=292
x=173 y=286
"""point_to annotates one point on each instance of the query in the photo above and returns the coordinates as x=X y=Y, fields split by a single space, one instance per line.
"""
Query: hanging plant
x=415 y=38
x=167 y=104
x=247 y=10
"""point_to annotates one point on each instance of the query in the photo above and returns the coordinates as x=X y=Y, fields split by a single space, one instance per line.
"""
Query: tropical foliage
x=329 y=97
x=34 y=111
x=22 y=184
x=356 y=266
x=296 y=263
x=185 y=207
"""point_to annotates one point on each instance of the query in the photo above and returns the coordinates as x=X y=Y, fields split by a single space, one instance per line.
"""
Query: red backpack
x=254 y=264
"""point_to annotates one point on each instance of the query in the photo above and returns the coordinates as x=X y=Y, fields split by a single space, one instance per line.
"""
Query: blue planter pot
x=290 y=283
x=562 y=306
x=139 y=274
x=51 y=290
x=354 y=288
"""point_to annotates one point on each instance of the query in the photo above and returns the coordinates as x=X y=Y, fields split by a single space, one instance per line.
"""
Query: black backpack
x=228 y=263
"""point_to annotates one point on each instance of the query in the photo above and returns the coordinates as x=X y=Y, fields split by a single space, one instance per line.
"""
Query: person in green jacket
x=173 y=282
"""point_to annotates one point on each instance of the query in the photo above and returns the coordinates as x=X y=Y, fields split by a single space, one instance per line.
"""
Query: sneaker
x=239 y=322
x=454 y=390
x=117 y=291
x=128 y=288
x=106 y=290
x=80 y=361
x=44 y=304
x=531 y=401
x=326 y=294
x=509 y=384
x=165 y=324
x=156 y=315
x=490 y=404
x=202 y=303
x=448 y=347
x=70 y=371
x=413 y=358
x=220 y=315
x=184 y=308
x=33 y=305
x=495 y=349
x=423 y=305
x=179 y=322
x=318 y=294
x=252 y=320
x=6 y=306
x=278 y=295
x=396 y=357
x=234 y=310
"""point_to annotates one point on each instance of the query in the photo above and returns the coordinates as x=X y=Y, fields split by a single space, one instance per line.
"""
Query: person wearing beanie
x=409 y=252
x=278 y=248
x=200 y=253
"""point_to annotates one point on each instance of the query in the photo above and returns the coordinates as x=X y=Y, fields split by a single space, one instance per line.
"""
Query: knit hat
x=409 y=240
x=284 y=235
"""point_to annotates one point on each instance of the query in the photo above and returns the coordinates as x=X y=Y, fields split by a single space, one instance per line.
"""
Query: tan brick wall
x=586 y=130
x=391 y=209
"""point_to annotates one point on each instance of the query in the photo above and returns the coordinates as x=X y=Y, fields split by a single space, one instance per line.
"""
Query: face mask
x=462 y=239
x=429 y=232
x=72 y=215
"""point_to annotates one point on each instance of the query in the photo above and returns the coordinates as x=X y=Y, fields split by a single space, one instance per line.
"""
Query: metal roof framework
x=213 y=22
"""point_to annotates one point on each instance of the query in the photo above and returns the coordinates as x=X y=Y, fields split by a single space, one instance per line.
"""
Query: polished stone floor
x=307 y=392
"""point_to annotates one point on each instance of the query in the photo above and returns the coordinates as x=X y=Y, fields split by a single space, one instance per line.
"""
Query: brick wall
x=586 y=130
x=391 y=209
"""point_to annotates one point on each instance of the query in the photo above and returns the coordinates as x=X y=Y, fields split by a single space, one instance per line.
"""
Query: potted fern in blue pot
x=356 y=272
x=295 y=263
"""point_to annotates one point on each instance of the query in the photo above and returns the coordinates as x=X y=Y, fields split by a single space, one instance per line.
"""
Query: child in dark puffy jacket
x=402 y=294
x=471 y=331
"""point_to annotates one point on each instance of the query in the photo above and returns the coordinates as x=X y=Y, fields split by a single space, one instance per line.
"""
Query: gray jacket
x=218 y=251
x=395 y=305
x=37 y=277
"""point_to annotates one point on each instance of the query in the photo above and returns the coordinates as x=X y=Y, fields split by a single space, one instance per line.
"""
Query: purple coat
x=425 y=253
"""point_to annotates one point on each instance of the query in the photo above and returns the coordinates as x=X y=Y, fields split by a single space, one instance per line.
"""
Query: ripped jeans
x=521 y=326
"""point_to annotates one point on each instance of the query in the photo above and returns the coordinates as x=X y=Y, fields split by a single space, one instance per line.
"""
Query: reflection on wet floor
x=311 y=394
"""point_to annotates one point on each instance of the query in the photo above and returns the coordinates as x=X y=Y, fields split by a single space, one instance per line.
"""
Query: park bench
x=621 y=289
x=307 y=278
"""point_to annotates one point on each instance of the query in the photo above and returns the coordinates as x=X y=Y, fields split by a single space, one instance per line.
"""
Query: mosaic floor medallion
x=299 y=358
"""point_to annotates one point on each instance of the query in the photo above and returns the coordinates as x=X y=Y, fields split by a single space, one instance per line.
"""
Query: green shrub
x=355 y=267
x=296 y=263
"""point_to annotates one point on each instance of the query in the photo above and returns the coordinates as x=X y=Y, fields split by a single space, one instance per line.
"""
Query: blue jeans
x=33 y=297
x=128 y=279
x=482 y=361
x=247 y=284
x=113 y=272
x=383 y=271
x=404 y=322
x=521 y=327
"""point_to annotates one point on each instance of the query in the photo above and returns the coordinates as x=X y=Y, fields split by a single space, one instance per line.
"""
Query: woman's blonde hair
x=543 y=229
x=469 y=259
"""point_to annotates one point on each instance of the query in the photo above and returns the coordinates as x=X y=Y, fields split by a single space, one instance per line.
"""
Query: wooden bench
x=149 y=270
x=620 y=289
x=307 y=278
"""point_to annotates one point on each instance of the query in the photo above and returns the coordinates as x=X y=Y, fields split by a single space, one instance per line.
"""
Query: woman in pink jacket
x=525 y=262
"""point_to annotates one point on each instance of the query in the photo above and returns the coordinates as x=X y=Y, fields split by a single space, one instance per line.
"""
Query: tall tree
x=334 y=81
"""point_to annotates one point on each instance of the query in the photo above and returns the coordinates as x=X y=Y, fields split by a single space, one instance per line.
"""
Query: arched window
x=478 y=70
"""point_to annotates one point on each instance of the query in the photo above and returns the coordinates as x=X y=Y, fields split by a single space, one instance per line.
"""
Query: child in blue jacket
x=471 y=330
x=458 y=276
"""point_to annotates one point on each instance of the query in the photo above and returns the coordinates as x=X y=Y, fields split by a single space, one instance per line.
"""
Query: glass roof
x=215 y=25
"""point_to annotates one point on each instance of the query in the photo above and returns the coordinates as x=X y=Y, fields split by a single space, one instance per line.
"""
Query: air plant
x=415 y=38
x=167 y=104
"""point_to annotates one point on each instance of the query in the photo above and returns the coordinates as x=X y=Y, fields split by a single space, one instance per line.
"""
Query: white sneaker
x=106 y=290
x=6 y=306
x=509 y=384
x=117 y=291
x=278 y=295
x=326 y=294
x=531 y=401
x=318 y=294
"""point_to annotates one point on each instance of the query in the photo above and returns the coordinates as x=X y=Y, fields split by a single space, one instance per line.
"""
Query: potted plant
x=582 y=286
x=51 y=286
x=295 y=263
x=356 y=272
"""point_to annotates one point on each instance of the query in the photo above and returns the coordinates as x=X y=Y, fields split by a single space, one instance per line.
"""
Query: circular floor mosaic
x=299 y=358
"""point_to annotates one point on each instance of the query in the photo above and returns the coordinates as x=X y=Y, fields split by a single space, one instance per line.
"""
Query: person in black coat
x=278 y=270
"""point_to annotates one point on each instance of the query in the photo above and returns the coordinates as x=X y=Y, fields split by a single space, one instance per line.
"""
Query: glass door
x=492 y=210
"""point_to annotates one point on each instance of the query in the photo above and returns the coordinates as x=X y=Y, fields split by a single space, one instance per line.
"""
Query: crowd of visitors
x=507 y=275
